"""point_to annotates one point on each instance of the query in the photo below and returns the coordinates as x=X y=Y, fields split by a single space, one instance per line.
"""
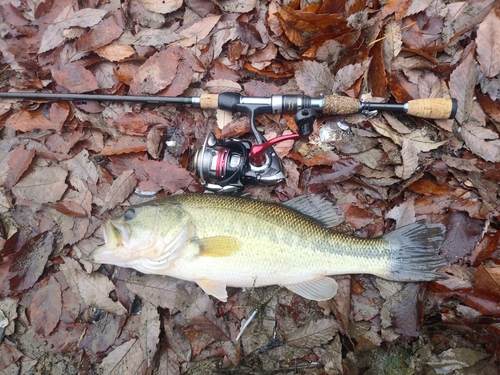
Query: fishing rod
x=226 y=165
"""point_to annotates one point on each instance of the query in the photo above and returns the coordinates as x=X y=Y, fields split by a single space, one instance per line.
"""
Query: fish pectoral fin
x=218 y=246
x=214 y=288
x=321 y=288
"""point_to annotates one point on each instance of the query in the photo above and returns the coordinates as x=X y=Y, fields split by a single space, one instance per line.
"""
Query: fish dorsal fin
x=317 y=207
x=218 y=246
x=214 y=288
x=321 y=288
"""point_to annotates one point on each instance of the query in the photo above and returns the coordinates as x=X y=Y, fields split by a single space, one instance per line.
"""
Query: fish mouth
x=115 y=237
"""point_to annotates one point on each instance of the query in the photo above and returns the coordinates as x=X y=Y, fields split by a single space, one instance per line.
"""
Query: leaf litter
x=66 y=166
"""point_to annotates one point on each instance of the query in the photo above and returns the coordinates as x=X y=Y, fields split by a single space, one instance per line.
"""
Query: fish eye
x=129 y=214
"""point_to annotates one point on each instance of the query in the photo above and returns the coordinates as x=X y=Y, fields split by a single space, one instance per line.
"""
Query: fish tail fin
x=415 y=252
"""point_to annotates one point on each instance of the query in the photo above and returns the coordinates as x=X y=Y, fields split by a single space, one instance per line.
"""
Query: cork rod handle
x=433 y=108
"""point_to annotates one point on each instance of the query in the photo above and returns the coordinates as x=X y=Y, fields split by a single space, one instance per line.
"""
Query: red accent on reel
x=220 y=168
x=258 y=152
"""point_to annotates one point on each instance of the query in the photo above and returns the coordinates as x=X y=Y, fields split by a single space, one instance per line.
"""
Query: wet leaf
x=46 y=305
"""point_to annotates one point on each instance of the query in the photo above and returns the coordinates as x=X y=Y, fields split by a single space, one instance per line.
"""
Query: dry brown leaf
x=82 y=167
x=483 y=142
x=392 y=44
x=202 y=315
x=115 y=52
x=314 y=78
x=154 y=75
x=121 y=188
x=237 y=6
x=150 y=325
x=462 y=83
x=19 y=161
x=315 y=333
x=158 y=290
x=53 y=35
x=46 y=306
x=91 y=290
x=198 y=31
x=125 y=359
x=75 y=78
x=216 y=86
x=488 y=45
x=161 y=6
x=50 y=180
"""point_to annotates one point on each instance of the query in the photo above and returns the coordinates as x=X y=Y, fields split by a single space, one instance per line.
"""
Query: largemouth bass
x=218 y=241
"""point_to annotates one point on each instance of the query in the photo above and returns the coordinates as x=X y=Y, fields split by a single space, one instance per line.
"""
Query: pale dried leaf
x=54 y=34
x=161 y=6
x=90 y=290
x=392 y=44
x=150 y=37
x=50 y=180
x=409 y=153
x=223 y=118
x=454 y=359
x=417 y=6
x=216 y=86
x=124 y=359
x=150 y=326
x=121 y=188
x=158 y=290
x=462 y=83
x=482 y=141
x=314 y=78
x=115 y=52
x=199 y=30
x=488 y=45
x=237 y=6
x=387 y=131
x=423 y=142
x=314 y=333
x=82 y=167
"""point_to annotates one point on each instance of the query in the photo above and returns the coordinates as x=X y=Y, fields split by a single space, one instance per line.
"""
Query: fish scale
x=218 y=241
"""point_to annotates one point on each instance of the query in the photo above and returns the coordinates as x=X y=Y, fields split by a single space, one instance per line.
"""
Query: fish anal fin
x=321 y=288
x=218 y=246
x=214 y=288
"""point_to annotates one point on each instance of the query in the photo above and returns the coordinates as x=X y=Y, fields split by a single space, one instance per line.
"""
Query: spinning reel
x=226 y=165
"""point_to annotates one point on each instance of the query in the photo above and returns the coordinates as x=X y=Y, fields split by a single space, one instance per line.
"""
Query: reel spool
x=226 y=165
